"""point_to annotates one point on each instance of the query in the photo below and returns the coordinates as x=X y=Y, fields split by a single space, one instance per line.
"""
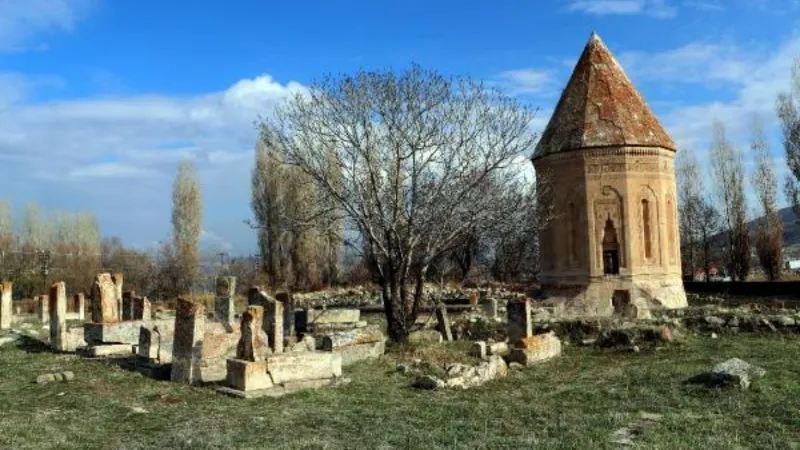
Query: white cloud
x=526 y=81
x=21 y=20
x=655 y=8
x=116 y=156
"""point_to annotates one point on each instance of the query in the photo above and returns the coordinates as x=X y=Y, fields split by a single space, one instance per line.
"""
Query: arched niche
x=648 y=219
x=608 y=212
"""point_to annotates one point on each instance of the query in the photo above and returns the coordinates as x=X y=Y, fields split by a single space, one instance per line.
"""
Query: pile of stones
x=457 y=375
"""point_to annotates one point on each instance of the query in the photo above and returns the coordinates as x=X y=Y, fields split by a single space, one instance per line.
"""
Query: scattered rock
x=138 y=410
x=46 y=378
x=534 y=349
x=8 y=339
x=425 y=337
x=636 y=349
x=714 y=335
x=478 y=350
x=714 y=321
x=625 y=436
x=56 y=376
x=733 y=372
x=516 y=366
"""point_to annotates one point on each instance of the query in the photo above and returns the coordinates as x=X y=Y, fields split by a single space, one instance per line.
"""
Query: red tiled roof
x=600 y=107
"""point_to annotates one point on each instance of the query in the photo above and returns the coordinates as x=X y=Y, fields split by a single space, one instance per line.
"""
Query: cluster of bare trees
x=300 y=246
x=38 y=246
x=406 y=168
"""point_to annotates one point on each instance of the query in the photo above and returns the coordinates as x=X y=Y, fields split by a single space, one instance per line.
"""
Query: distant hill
x=791 y=231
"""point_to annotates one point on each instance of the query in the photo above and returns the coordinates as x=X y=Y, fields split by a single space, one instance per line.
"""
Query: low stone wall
x=121 y=332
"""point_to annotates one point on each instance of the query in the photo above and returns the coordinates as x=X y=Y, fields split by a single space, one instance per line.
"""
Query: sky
x=100 y=99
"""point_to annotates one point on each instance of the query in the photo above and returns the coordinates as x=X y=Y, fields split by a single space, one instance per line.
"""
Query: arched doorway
x=610 y=248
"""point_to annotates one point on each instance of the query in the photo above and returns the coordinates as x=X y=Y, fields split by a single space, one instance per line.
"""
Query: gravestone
x=6 y=311
x=252 y=343
x=223 y=300
x=140 y=308
x=274 y=324
x=116 y=279
x=58 y=317
x=104 y=300
x=43 y=308
x=289 y=329
x=520 y=325
x=444 y=321
x=490 y=307
x=190 y=321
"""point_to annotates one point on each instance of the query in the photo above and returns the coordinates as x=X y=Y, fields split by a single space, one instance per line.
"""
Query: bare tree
x=6 y=239
x=187 y=225
x=708 y=226
x=769 y=233
x=690 y=199
x=728 y=173
x=788 y=108
x=414 y=154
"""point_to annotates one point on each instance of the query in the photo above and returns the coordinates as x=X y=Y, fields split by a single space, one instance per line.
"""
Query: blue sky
x=99 y=100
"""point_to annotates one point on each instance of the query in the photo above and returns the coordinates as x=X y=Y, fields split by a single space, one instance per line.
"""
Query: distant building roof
x=600 y=107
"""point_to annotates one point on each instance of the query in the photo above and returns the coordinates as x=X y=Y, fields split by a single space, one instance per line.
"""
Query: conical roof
x=600 y=108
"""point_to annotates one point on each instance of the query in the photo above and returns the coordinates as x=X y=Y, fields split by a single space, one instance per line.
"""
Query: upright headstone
x=43 y=308
x=252 y=343
x=289 y=329
x=274 y=324
x=490 y=307
x=6 y=310
x=117 y=280
x=520 y=325
x=127 y=305
x=473 y=298
x=79 y=304
x=58 y=316
x=140 y=309
x=444 y=321
x=190 y=324
x=223 y=300
x=104 y=300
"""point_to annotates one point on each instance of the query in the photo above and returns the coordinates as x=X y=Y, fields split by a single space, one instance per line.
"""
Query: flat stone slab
x=279 y=390
x=108 y=350
x=359 y=352
x=126 y=332
x=289 y=367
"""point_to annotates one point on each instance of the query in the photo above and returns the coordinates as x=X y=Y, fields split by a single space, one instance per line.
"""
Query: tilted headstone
x=274 y=324
x=104 y=300
x=117 y=280
x=252 y=344
x=6 y=311
x=520 y=325
x=190 y=324
x=223 y=300
x=43 y=308
x=444 y=321
x=58 y=316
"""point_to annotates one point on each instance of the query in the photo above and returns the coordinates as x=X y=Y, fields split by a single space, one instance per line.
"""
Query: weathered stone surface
x=248 y=375
x=444 y=321
x=186 y=347
x=462 y=376
x=735 y=372
x=286 y=367
x=122 y=332
x=155 y=342
x=478 y=349
x=273 y=318
x=252 y=344
x=520 y=324
x=330 y=327
x=223 y=300
x=117 y=279
x=339 y=339
x=43 y=308
x=358 y=352
x=498 y=348
x=425 y=337
x=46 y=378
x=109 y=350
x=279 y=390
x=58 y=317
x=306 y=344
x=104 y=300
x=6 y=311
x=79 y=305
x=536 y=349
x=336 y=315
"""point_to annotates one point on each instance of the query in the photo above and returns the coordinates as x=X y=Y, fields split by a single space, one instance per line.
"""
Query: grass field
x=577 y=401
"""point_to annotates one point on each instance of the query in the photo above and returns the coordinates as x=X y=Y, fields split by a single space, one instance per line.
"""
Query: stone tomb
x=105 y=307
x=58 y=317
x=223 y=299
